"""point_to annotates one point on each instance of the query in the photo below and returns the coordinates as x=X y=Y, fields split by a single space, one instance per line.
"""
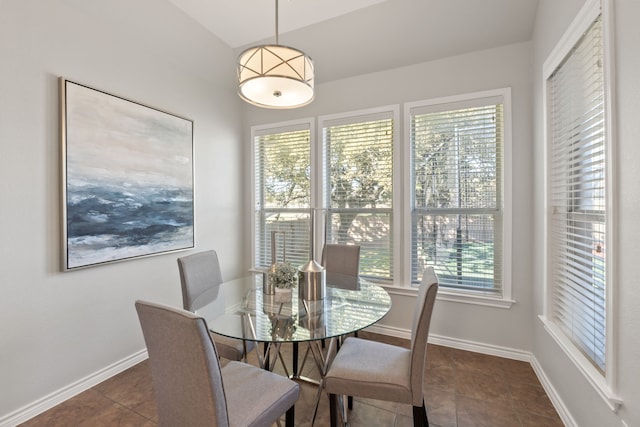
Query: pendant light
x=275 y=76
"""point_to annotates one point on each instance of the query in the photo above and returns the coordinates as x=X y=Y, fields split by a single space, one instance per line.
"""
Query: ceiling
x=352 y=37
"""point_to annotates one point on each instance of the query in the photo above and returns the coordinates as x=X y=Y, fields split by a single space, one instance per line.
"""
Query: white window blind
x=282 y=160
x=358 y=188
x=457 y=193
x=577 y=195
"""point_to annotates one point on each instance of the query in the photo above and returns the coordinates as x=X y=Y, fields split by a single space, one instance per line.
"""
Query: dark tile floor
x=463 y=389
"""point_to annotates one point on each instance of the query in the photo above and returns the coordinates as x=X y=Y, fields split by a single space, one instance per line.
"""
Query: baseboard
x=47 y=402
x=390 y=331
x=492 y=350
x=29 y=411
x=467 y=345
x=557 y=402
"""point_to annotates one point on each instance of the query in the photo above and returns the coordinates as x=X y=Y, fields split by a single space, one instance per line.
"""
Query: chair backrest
x=420 y=331
x=199 y=275
x=342 y=265
x=187 y=381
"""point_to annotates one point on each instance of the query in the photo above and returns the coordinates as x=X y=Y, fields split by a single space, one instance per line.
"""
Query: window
x=457 y=198
x=452 y=180
x=577 y=196
x=578 y=186
x=358 y=186
x=282 y=193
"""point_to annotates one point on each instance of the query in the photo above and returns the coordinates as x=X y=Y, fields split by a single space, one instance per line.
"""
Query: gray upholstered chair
x=342 y=265
x=189 y=386
x=200 y=277
x=386 y=372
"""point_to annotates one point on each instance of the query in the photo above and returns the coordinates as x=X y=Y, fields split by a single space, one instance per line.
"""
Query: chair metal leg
x=420 y=416
x=350 y=402
x=265 y=352
x=294 y=368
x=333 y=409
x=290 y=417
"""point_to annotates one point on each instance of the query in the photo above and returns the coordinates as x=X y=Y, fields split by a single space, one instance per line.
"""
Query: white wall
x=507 y=66
x=58 y=328
x=579 y=398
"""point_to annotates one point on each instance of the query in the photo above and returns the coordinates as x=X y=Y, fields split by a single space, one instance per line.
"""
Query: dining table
x=273 y=320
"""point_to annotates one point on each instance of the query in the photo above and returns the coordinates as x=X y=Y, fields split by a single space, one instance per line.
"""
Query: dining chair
x=342 y=265
x=200 y=278
x=190 y=387
x=380 y=371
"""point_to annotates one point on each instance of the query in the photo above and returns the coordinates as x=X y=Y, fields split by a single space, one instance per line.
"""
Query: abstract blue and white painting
x=127 y=178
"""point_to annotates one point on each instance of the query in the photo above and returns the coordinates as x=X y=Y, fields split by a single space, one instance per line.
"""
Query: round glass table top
x=270 y=318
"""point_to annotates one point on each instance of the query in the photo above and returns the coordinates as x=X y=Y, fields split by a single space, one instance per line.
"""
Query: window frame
x=605 y=383
x=504 y=300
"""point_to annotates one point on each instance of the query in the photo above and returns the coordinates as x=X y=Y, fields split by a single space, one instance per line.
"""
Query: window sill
x=453 y=296
x=473 y=298
x=593 y=376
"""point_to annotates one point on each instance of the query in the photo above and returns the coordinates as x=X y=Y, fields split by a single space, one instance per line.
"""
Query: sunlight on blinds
x=456 y=165
x=577 y=195
x=359 y=189
x=282 y=195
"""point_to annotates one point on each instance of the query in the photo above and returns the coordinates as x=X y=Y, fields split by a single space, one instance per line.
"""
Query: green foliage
x=286 y=164
x=361 y=174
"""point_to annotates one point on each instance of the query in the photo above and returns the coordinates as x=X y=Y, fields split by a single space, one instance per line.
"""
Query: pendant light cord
x=277 y=22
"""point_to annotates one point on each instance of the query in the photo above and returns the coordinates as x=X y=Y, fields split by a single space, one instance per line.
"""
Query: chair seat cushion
x=256 y=397
x=230 y=348
x=371 y=369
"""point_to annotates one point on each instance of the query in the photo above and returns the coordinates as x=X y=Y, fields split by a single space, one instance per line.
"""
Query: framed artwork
x=127 y=178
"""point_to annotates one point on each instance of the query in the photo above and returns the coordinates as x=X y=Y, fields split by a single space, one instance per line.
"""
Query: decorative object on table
x=268 y=286
x=127 y=178
x=275 y=76
x=314 y=319
x=312 y=281
x=282 y=328
x=312 y=275
x=283 y=277
x=283 y=295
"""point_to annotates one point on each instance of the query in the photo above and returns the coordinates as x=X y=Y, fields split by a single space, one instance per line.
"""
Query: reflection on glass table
x=259 y=317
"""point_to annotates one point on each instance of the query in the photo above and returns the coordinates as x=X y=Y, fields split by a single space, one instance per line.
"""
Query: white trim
x=554 y=396
x=580 y=23
x=279 y=127
x=612 y=229
x=586 y=368
x=505 y=352
x=470 y=298
x=606 y=385
x=67 y=392
x=33 y=409
x=476 y=347
x=399 y=244
x=390 y=331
